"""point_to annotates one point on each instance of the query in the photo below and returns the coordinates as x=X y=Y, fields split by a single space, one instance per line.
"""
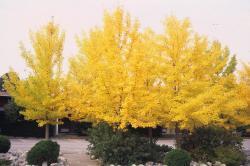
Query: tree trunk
x=177 y=135
x=47 y=131
x=56 y=128
x=150 y=135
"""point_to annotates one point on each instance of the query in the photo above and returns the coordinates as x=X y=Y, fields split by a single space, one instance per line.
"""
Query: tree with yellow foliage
x=128 y=77
x=112 y=79
x=177 y=79
x=198 y=86
x=41 y=93
x=244 y=116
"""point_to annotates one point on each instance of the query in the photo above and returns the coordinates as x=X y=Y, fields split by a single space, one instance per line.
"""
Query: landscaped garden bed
x=45 y=151
x=205 y=146
x=19 y=159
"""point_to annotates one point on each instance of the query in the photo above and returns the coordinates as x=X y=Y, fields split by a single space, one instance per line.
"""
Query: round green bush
x=230 y=156
x=203 y=141
x=45 y=150
x=123 y=148
x=4 y=144
x=177 y=157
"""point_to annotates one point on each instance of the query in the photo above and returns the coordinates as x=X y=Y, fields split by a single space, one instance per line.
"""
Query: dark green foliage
x=12 y=112
x=4 y=144
x=81 y=128
x=125 y=148
x=231 y=66
x=45 y=150
x=177 y=157
x=156 y=132
x=12 y=123
x=5 y=162
x=244 y=130
x=230 y=156
x=1 y=83
x=202 y=142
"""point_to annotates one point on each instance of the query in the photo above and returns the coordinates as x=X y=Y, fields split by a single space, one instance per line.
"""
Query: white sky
x=225 y=20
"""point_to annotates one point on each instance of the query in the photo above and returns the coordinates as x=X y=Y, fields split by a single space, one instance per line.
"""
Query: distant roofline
x=4 y=94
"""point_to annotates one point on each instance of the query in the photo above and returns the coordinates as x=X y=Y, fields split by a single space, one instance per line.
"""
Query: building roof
x=4 y=94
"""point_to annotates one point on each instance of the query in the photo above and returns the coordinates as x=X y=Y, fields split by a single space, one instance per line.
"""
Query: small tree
x=41 y=93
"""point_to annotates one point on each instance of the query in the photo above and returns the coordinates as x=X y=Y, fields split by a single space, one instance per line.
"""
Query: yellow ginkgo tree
x=244 y=92
x=128 y=77
x=198 y=85
x=112 y=78
x=41 y=93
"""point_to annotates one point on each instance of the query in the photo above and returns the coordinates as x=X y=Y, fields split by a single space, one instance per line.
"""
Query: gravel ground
x=75 y=149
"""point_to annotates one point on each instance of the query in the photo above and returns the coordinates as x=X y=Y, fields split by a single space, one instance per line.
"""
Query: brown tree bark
x=177 y=135
x=47 y=131
x=150 y=135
